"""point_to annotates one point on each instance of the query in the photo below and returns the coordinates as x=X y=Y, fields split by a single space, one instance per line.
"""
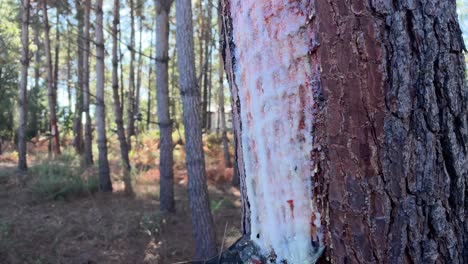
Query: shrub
x=59 y=179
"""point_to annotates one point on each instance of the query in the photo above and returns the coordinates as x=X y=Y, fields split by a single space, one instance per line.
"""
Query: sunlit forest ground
x=55 y=214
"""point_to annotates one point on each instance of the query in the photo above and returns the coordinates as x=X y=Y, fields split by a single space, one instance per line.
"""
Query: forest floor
x=93 y=227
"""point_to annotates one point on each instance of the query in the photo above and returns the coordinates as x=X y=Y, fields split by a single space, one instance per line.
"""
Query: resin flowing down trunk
x=351 y=129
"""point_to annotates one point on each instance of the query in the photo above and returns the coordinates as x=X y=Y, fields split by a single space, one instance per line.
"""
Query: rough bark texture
x=22 y=104
x=396 y=142
x=131 y=80
x=229 y=64
x=105 y=183
x=51 y=92
x=77 y=121
x=88 y=141
x=150 y=80
x=115 y=94
x=166 y=159
x=202 y=220
x=390 y=131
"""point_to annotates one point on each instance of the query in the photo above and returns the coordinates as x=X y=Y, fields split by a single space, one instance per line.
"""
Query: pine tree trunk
x=57 y=54
x=205 y=71
x=55 y=142
x=105 y=183
x=131 y=80
x=69 y=82
x=150 y=81
x=115 y=92
x=222 y=114
x=122 y=84
x=359 y=147
x=202 y=220
x=22 y=102
x=139 y=66
x=88 y=140
x=166 y=159
x=77 y=122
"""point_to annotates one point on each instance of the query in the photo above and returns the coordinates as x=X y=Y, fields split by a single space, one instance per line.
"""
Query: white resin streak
x=272 y=65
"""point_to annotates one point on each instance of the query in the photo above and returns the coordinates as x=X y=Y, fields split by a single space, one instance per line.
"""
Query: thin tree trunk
x=140 y=64
x=117 y=109
x=358 y=152
x=88 y=141
x=227 y=155
x=166 y=159
x=55 y=142
x=69 y=82
x=77 y=122
x=57 y=54
x=205 y=75
x=105 y=183
x=202 y=220
x=122 y=85
x=22 y=102
x=150 y=79
x=172 y=97
x=131 y=80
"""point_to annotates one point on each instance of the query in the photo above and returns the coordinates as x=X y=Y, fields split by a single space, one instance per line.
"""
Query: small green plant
x=58 y=179
x=215 y=206
x=5 y=229
x=151 y=223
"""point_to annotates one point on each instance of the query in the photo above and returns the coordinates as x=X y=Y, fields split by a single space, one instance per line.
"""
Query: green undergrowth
x=61 y=178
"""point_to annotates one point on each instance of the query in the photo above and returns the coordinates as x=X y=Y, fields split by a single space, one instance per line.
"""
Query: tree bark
x=88 y=141
x=206 y=35
x=374 y=96
x=22 y=104
x=150 y=81
x=77 y=122
x=105 y=183
x=222 y=114
x=139 y=65
x=56 y=54
x=52 y=96
x=202 y=220
x=131 y=80
x=227 y=155
x=115 y=92
x=166 y=158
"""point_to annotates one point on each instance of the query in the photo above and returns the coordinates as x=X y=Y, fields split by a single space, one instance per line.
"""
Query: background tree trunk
x=131 y=80
x=77 y=122
x=166 y=158
x=384 y=91
x=139 y=65
x=202 y=220
x=105 y=183
x=150 y=79
x=88 y=148
x=22 y=105
x=54 y=133
x=115 y=92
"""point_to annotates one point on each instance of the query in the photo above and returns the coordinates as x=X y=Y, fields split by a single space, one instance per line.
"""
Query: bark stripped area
x=274 y=78
x=390 y=128
x=394 y=131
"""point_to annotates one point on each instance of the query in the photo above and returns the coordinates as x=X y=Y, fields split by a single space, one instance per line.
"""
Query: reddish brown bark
x=390 y=133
